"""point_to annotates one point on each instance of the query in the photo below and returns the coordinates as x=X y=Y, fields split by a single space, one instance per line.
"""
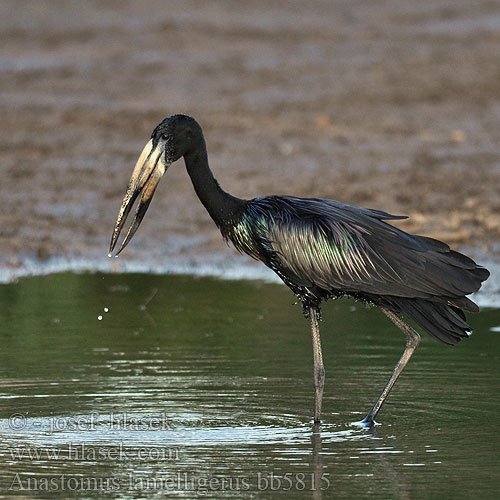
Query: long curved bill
x=147 y=173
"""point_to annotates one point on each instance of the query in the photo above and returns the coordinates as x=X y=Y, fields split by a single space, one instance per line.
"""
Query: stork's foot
x=368 y=422
x=317 y=416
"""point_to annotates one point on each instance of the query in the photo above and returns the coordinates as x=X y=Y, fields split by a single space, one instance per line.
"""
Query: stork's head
x=174 y=137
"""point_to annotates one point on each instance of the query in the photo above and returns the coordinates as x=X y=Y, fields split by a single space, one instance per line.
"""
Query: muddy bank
x=393 y=106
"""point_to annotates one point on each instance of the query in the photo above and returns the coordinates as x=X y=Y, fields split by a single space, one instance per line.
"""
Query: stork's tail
x=441 y=316
x=445 y=322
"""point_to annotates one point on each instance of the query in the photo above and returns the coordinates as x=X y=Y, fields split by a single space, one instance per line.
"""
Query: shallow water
x=192 y=387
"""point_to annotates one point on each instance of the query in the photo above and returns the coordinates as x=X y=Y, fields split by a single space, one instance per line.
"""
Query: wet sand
x=393 y=105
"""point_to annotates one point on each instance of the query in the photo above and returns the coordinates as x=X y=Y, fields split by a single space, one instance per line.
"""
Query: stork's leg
x=319 y=369
x=412 y=341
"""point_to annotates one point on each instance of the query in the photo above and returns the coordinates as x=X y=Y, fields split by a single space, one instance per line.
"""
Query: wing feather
x=340 y=247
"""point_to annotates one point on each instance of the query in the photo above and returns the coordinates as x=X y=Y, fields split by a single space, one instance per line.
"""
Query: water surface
x=125 y=386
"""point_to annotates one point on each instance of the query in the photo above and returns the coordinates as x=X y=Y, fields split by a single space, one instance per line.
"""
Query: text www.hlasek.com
x=181 y=481
x=83 y=451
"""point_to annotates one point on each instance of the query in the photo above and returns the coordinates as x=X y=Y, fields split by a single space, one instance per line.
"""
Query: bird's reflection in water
x=399 y=487
x=385 y=468
x=317 y=462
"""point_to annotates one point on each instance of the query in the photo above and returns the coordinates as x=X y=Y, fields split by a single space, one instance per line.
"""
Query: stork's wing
x=336 y=246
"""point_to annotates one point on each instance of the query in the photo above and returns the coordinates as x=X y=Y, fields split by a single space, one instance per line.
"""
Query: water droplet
x=99 y=317
x=106 y=310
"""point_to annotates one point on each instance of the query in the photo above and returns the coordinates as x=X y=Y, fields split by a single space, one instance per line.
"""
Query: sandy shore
x=394 y=106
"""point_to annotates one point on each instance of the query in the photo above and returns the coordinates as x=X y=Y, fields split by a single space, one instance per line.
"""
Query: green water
x=191 y=388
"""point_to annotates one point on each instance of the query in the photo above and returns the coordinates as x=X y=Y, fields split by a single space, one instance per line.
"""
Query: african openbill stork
x=321 y=249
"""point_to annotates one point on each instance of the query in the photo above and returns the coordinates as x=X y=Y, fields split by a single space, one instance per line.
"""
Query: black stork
x=321 y=249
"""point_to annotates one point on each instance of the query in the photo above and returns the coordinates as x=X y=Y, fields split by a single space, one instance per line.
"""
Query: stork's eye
x=164 y=136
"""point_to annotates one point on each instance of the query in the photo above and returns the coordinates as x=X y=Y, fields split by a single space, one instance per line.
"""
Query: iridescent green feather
x=311 y=252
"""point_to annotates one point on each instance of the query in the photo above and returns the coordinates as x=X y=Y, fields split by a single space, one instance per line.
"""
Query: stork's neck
x=221 y=206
